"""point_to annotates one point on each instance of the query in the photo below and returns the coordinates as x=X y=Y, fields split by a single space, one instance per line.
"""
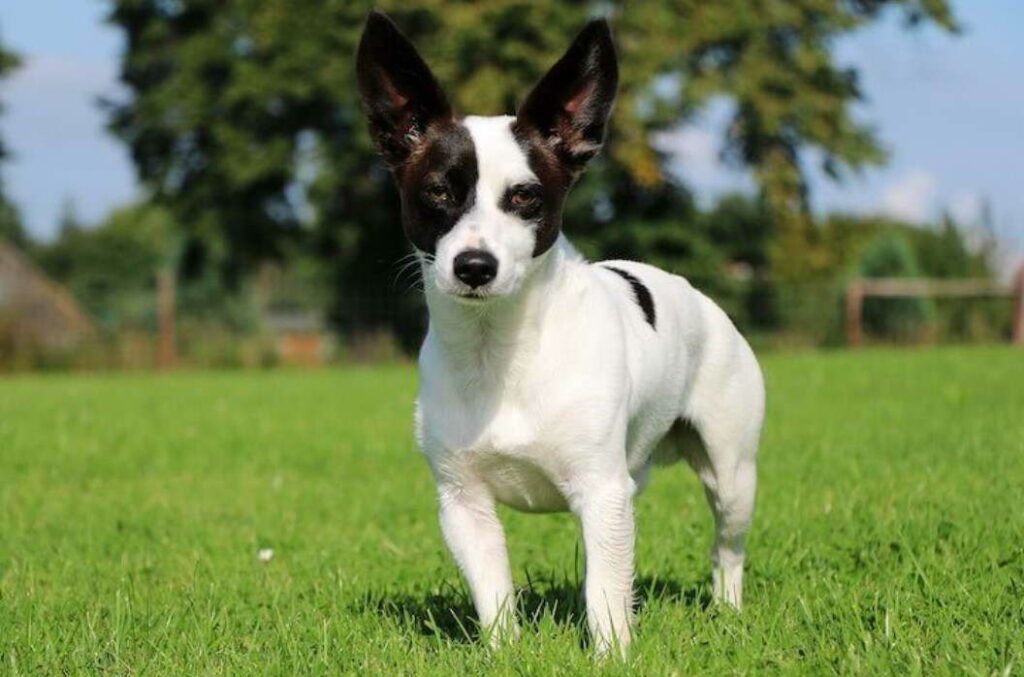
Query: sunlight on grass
x=282 y=522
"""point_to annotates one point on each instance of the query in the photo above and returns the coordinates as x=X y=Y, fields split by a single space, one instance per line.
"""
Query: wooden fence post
x=1018 y=307
x=167 y=345
x=854 y=313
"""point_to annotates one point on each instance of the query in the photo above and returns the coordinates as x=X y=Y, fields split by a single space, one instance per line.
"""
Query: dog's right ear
x=571 y=103
x=400 y=94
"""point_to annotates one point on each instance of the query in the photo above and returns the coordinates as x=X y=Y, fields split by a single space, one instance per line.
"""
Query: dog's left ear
x=401 y=96
x=570 y=105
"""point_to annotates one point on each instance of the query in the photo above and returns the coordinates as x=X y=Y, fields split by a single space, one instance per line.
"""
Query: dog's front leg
x=605 y=512
x=477 y=541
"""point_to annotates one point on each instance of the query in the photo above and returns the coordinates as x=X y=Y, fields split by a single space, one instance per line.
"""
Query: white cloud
x=694 y=150
x=967 y=209
x=911 y=197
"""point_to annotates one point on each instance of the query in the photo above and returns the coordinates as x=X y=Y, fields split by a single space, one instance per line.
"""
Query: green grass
x=889 y=535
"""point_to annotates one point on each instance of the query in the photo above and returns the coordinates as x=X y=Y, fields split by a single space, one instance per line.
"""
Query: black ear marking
x=401 y=96
x=570 y=105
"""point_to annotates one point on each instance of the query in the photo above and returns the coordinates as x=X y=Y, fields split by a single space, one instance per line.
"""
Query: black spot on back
x=641 y=293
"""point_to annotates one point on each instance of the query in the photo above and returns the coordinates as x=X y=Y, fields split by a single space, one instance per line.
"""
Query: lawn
x=888 y=539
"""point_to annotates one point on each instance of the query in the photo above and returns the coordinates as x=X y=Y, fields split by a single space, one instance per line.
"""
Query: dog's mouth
x=471 y=297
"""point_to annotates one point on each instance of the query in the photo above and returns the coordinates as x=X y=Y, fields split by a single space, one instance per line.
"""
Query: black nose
x=476 y=267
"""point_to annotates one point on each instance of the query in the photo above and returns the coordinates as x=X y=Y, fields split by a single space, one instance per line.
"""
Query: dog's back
x=686 y=358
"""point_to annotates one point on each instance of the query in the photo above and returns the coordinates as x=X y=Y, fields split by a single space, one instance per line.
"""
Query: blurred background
x=190 y=182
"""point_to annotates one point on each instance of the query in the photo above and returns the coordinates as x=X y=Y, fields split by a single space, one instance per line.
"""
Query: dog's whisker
x=408 y=266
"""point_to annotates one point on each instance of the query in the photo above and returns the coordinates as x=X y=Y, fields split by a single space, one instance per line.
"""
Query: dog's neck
x=491 y=336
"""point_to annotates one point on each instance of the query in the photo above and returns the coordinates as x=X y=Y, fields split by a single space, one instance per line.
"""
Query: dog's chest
x=519 y=456
x=505 y=441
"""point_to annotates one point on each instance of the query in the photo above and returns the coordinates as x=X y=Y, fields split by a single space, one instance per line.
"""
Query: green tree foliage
x=110 y=268
x=11 y=228
x=242 y=118
x=774 y=60
x=9 y=61
x=944 y=252
x=891 y=254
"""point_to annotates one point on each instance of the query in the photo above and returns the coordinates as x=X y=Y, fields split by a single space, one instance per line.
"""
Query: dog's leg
x=727 y=469
x=731 y=497
x=477 y=541
x=606 y=517
x=727 y=410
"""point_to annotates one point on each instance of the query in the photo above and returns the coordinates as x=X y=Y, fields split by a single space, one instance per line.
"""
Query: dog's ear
x=400 y=94
x=570 y=105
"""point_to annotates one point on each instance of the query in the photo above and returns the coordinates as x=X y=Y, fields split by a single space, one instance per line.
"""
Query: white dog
x=549 y=383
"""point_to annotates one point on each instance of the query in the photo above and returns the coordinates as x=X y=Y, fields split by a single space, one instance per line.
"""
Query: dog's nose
x=476 y=267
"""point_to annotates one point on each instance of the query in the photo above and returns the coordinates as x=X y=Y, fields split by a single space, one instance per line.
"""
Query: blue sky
x=949 y=109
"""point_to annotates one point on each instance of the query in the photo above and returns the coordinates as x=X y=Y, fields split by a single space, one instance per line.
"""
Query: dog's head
x=482 y=197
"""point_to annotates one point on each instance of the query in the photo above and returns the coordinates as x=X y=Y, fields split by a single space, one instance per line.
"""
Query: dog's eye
x=438 y=195
x=523 y=196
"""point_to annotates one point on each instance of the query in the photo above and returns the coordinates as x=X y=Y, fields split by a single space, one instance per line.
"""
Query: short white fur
x=555 y=393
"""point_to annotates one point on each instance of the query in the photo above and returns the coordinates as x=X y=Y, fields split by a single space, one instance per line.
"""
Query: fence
x=894 y=287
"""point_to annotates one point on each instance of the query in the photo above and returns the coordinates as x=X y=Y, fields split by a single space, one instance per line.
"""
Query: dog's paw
x=502 y=634
x=613 y=646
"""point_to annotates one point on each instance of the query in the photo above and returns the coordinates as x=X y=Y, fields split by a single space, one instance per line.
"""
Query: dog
x=548 y=383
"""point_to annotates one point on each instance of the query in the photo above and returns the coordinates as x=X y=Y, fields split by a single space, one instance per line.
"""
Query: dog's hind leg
x=725 y=461
x=729 y=487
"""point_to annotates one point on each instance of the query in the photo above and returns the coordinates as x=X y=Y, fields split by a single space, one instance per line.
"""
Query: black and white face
x=482 y=197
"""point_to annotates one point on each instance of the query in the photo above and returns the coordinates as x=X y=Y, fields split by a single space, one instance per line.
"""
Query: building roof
x=34 y=309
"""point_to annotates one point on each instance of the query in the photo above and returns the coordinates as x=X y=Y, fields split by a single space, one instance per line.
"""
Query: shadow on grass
x=448 y=614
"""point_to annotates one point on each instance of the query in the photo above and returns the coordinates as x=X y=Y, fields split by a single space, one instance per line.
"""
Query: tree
x=111 y=268
x=242 y=118
x=774 y=60
x=69 y=222
x=9 y=61
x=11 y=228
x=891 y=254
